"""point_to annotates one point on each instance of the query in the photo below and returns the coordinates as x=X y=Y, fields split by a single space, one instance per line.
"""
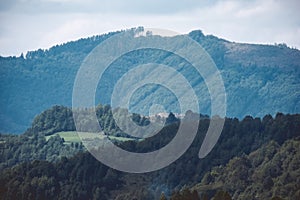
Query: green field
x=72 y=136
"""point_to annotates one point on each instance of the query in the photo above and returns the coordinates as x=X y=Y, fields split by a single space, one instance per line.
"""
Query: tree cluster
x=83 y=177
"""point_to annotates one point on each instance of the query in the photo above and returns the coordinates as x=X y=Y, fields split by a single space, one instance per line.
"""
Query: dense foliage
x=259 y=79
x=272 y=171
x=33 y=145
x=238 y=138
x=83 y=177
x=60 y=118
x=16 y=149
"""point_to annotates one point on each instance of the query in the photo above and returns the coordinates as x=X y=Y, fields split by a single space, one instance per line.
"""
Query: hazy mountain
x=259 y=79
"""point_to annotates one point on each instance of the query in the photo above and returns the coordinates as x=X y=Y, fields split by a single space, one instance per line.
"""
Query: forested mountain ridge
x=25 y=174
x=259 y=79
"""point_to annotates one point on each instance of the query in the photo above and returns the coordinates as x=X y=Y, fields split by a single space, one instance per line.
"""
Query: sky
x=27 y=25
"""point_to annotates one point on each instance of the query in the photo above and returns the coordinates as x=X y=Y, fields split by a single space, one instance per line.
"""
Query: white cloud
x=58 y=21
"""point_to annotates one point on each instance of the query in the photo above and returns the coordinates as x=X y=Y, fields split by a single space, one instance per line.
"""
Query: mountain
x=258 y=79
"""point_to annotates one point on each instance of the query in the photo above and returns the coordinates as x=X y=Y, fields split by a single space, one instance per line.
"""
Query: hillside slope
x=259 y=79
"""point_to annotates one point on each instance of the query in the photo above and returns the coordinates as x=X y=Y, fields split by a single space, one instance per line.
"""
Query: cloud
x=265 y=22
x=32 y=24
x=107 y=6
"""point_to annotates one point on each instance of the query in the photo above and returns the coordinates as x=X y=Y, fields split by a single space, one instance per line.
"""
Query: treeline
x=60 y=118
x=15 y=149
x=33 y=145
x=272 y=171
x=237 y=138
x=55 y=119
x=188 y=194
x=83 y=177
x=42 y=78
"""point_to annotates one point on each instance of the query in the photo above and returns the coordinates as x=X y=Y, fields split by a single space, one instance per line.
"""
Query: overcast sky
x=32 y=24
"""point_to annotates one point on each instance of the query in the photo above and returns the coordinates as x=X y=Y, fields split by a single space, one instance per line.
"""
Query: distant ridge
x=259 y=79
